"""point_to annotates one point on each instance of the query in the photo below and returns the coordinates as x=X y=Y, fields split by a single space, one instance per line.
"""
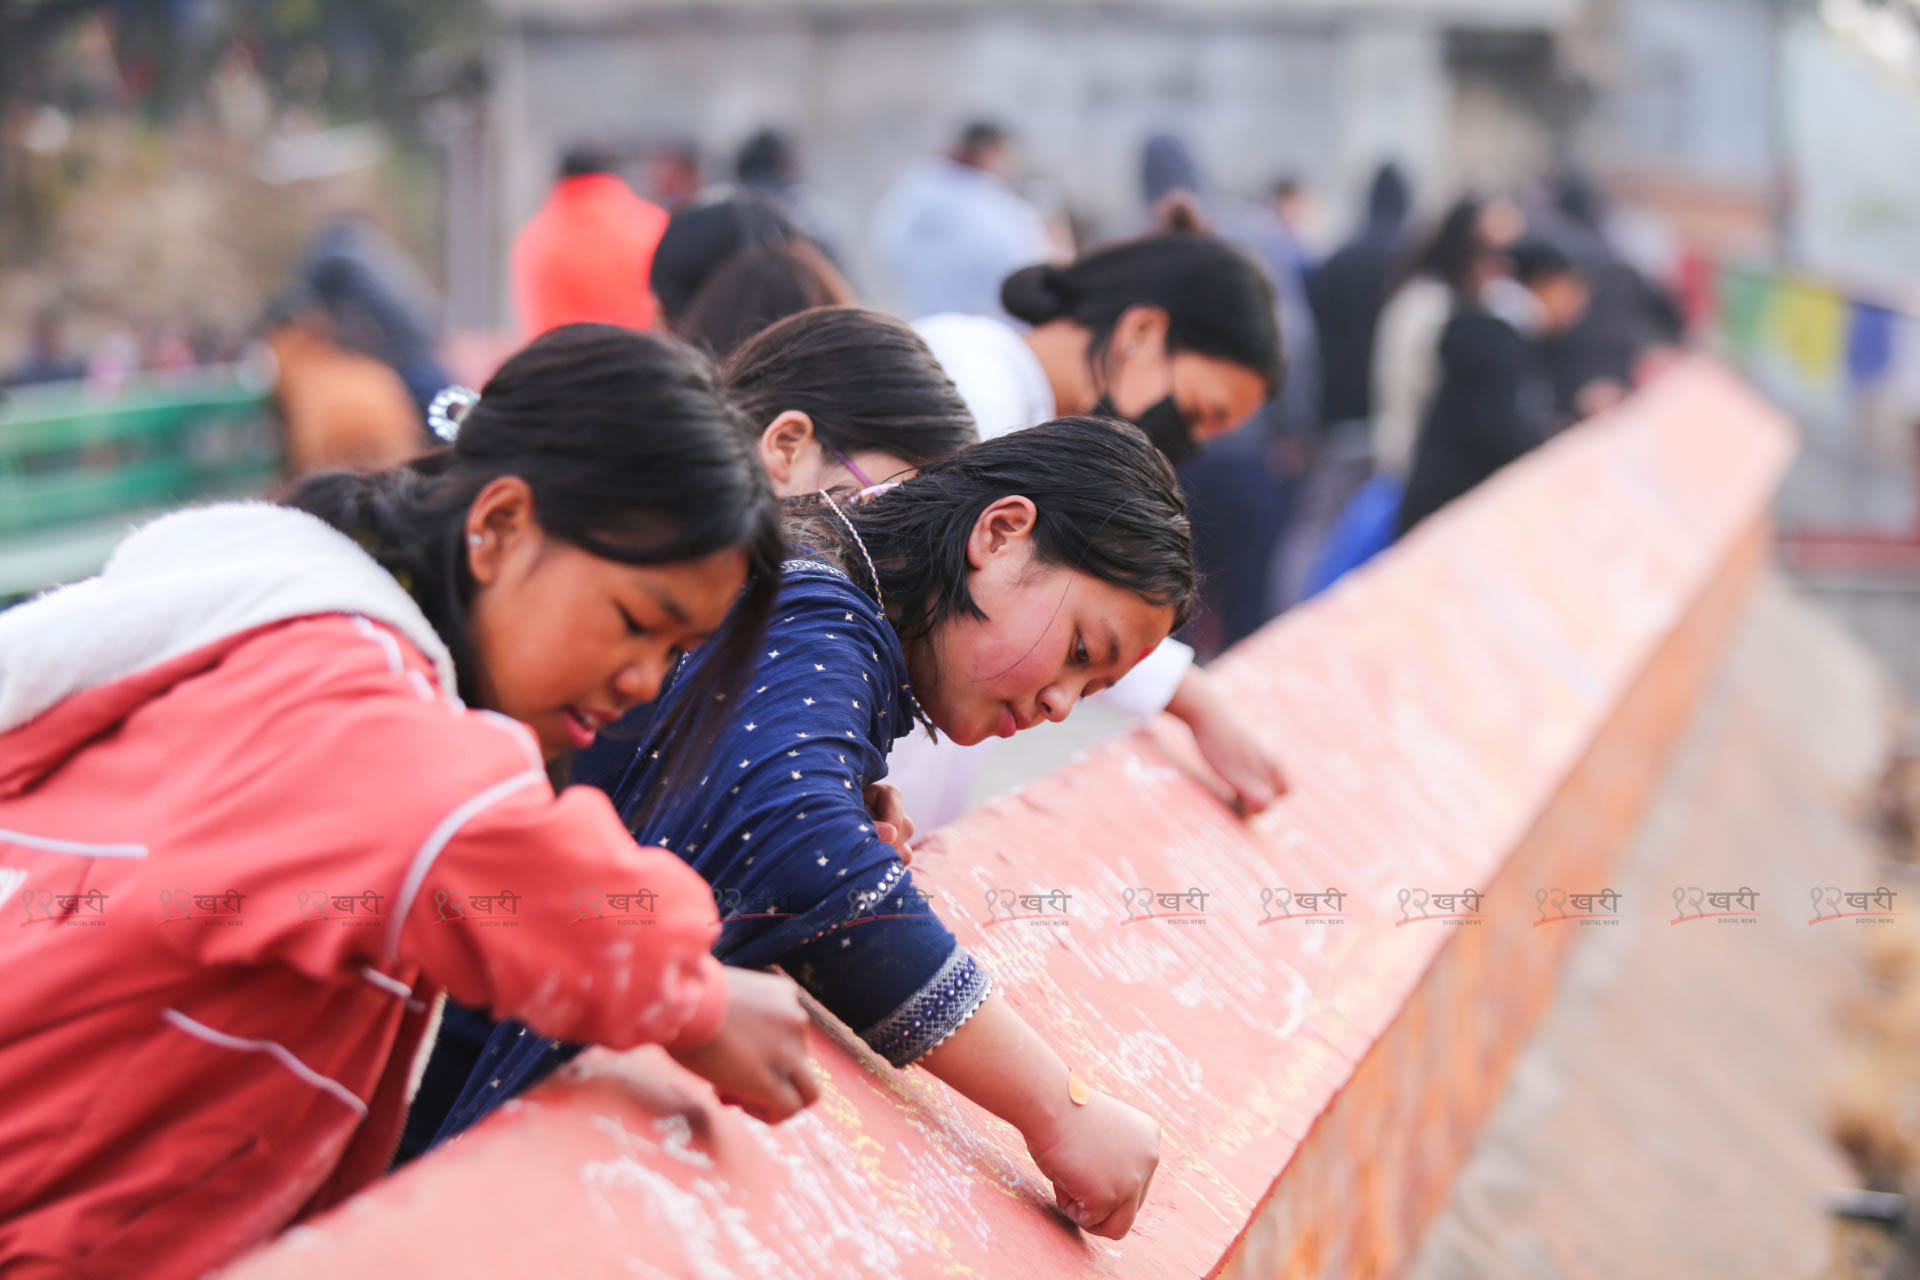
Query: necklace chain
x=879 y=597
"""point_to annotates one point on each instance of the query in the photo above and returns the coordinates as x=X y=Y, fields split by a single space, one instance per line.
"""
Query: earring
x=474 y=539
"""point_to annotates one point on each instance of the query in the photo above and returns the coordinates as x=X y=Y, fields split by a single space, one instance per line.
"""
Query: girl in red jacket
x=276 y=779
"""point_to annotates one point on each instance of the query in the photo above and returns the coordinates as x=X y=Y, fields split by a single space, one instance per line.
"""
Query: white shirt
x=995 y=371
x=1006 y=389
x=1406 y=370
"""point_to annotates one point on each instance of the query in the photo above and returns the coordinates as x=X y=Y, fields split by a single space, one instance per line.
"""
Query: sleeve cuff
x=1148 y=688
x=932 y=1013
x=707 y=1018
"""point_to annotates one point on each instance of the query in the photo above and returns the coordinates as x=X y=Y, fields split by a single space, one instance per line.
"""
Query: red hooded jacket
x=236 y=877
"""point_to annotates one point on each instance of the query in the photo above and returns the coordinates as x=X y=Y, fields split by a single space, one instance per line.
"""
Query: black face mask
x=1163 y=424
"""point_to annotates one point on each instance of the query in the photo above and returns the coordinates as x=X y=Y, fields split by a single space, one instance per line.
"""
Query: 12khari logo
x=362 y=909
x=212 y=908
x=1602 y=908
x=632 y=906
x=1453 y=908
x=1874 y=906
x=1323 y=906
x=493 y=909
x=1736 y=907
x=1174 y=907
x=46 y=906
x=1045 y=910
x=736 y=904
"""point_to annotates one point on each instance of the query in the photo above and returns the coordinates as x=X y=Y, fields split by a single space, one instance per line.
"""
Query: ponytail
x=1219 y=303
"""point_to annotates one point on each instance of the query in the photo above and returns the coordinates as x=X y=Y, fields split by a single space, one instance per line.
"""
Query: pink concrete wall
x=1487 y=707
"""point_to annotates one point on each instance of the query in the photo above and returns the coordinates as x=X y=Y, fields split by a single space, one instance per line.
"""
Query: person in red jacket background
x=276 y=780
x=587 y=254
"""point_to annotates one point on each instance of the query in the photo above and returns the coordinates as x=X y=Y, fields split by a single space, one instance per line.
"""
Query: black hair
x=633 y=454
x=1451 y=252
x=866 y=379
x=767 y=158
x=1389 y=197
x=704 y=235
x=1218 y=301
x=1107 y=505
x=579 y=161
x=1535 y=259
x=756 y=287
x=978 y=136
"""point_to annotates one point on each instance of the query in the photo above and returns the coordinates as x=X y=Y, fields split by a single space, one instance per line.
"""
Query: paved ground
x=1667 y=1120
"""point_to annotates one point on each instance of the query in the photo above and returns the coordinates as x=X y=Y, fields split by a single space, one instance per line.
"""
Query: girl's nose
x=1056 y=702
x=639 y=681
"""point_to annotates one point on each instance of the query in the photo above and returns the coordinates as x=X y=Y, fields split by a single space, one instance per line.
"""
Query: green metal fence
x=78 y=467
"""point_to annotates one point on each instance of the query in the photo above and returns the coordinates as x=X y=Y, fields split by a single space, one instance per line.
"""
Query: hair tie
x=449 y=408
x=1054 y=277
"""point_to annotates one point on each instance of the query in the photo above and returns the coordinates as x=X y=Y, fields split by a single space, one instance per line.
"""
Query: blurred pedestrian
x=587 y=254
x=1293 y=203
x=338 y=407
x=769 y=162
x=757 y=287
x=379 y=301
x=1347 y=292
x=1594 y=363
x=673 y=175
x=1462 y=255
x=1239 y=486
x=706 y=235
x=47 y=358
x=1495 y=402
x=952 y=227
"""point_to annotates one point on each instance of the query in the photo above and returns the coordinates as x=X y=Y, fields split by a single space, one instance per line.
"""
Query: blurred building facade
x=1456 y=90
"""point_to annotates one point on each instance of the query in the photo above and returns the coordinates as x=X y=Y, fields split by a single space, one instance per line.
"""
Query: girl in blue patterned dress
x=987 y=593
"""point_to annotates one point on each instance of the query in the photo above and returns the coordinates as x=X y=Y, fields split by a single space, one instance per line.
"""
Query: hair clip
x=449 y=408
x=873 y=491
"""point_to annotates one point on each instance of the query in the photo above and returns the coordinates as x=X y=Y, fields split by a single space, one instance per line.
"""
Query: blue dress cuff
x=932 y=1013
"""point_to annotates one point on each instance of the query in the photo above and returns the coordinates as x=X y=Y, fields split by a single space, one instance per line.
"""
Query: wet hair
x=1218 y=302
x=756 y=287
x=703 y=236
x=1535 y=260
x=1107 y=505
x=633 y=453
x=866 y=379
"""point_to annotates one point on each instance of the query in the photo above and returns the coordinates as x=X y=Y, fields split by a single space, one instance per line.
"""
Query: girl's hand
x=1251 y=771
x=890 y=820
x=758 y=1062
x=1100 y=1159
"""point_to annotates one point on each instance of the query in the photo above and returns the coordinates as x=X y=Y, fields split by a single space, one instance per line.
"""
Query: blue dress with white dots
x=777 y=823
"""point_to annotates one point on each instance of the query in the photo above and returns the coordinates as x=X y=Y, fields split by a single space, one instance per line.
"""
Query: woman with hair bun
x=1175 y=333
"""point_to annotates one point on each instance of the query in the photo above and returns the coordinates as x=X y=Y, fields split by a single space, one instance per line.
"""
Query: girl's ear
x=788 y=448
x=1139 y=328
x=500 y=521
x=1005 y=527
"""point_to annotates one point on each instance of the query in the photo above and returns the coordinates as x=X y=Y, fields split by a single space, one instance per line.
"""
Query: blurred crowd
x=1422 y=350
x=1422 y=353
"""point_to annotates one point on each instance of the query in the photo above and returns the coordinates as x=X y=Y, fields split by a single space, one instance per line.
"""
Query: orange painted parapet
x=1487 y=708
